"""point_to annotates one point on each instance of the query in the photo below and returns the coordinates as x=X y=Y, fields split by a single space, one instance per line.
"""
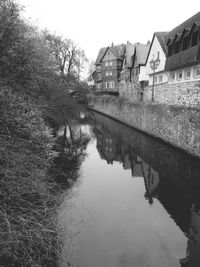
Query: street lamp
x=154 y=64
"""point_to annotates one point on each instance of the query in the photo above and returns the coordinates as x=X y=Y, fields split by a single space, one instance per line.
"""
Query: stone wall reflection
x=170 y=176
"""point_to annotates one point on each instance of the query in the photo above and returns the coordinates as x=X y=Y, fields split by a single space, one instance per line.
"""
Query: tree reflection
x=70 y=145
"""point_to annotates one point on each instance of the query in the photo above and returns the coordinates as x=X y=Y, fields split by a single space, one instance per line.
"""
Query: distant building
x=138 y=76
x=133 y=76
x=90 y=80
x=126 y=87
x=97 y=75
x=108 y=68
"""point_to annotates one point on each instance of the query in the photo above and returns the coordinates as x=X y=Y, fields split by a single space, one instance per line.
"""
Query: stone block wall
x=186 y=93
x=179 y=126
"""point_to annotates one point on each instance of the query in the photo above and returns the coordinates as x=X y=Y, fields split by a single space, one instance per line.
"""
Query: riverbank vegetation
x=38 y=71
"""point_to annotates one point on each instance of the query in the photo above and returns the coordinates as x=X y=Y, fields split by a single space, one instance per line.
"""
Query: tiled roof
x=100 y=55
x=183 y=59
x=160 y=36
x=130 y=48
x=118 y=50
x=186 y=24
x=141 y=53
x=189 y=56
x=161 y=39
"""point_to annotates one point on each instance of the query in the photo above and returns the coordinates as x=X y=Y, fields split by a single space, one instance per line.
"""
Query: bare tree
x=9 y=12
x=67 y=55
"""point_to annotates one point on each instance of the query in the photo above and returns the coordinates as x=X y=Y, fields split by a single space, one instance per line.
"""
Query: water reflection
x=170 y=178
x=177 y=188
x=192 y=258
x=70 y=145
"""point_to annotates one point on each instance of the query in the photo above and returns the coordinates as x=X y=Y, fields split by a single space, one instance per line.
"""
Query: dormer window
x=170 y=50
x=177 y=47
x=194 y=38
x=185 y=43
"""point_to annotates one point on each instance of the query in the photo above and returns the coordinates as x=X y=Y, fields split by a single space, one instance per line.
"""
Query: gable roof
x=141 y=52
x=186 y=24
x=130 y=48
x=186 y=57
x=161 y=39
x=117 y=50
x=100 y=55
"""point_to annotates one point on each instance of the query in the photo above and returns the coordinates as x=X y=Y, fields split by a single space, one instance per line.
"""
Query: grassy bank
x=36 y=77
x=28 y=202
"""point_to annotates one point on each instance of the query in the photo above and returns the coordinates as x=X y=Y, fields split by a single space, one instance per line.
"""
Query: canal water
x=135 y=203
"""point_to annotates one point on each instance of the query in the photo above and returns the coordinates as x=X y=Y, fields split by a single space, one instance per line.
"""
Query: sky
x=94 y=24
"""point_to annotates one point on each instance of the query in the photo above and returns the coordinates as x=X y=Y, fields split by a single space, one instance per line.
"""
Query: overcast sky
x=94 y=24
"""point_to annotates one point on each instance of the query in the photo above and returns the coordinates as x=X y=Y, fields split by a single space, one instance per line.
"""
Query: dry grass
x=28 y=235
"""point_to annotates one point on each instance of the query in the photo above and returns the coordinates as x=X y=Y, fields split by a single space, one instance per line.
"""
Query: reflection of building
x=151 y=180
x=192 y=258
x=106 y=146
x=111 y=148
x=178 y=185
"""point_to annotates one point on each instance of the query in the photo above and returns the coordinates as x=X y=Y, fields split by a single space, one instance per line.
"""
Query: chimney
x=112 y=44
x=148 y=43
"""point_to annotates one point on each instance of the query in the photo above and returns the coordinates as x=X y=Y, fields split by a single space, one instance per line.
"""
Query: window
x=110 y=63
x=194 y=38
x=106 y=63
x=110 y=84
x=155 y=79
x=185 y=43
x=137 y=70
x=170 y=50
x=187 y=74
x=197 y=72
x=172 y=77
x=160 y=79
x=108 y=73
x=125 y=61
x=177 y=47
x=98 y=85
x=179 y=76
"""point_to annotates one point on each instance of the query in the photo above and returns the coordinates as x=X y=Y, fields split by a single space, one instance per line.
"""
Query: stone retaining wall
x=177 y=125
x=186 y=93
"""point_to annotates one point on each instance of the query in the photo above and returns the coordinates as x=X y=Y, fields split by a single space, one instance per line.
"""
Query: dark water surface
x=136 y=202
